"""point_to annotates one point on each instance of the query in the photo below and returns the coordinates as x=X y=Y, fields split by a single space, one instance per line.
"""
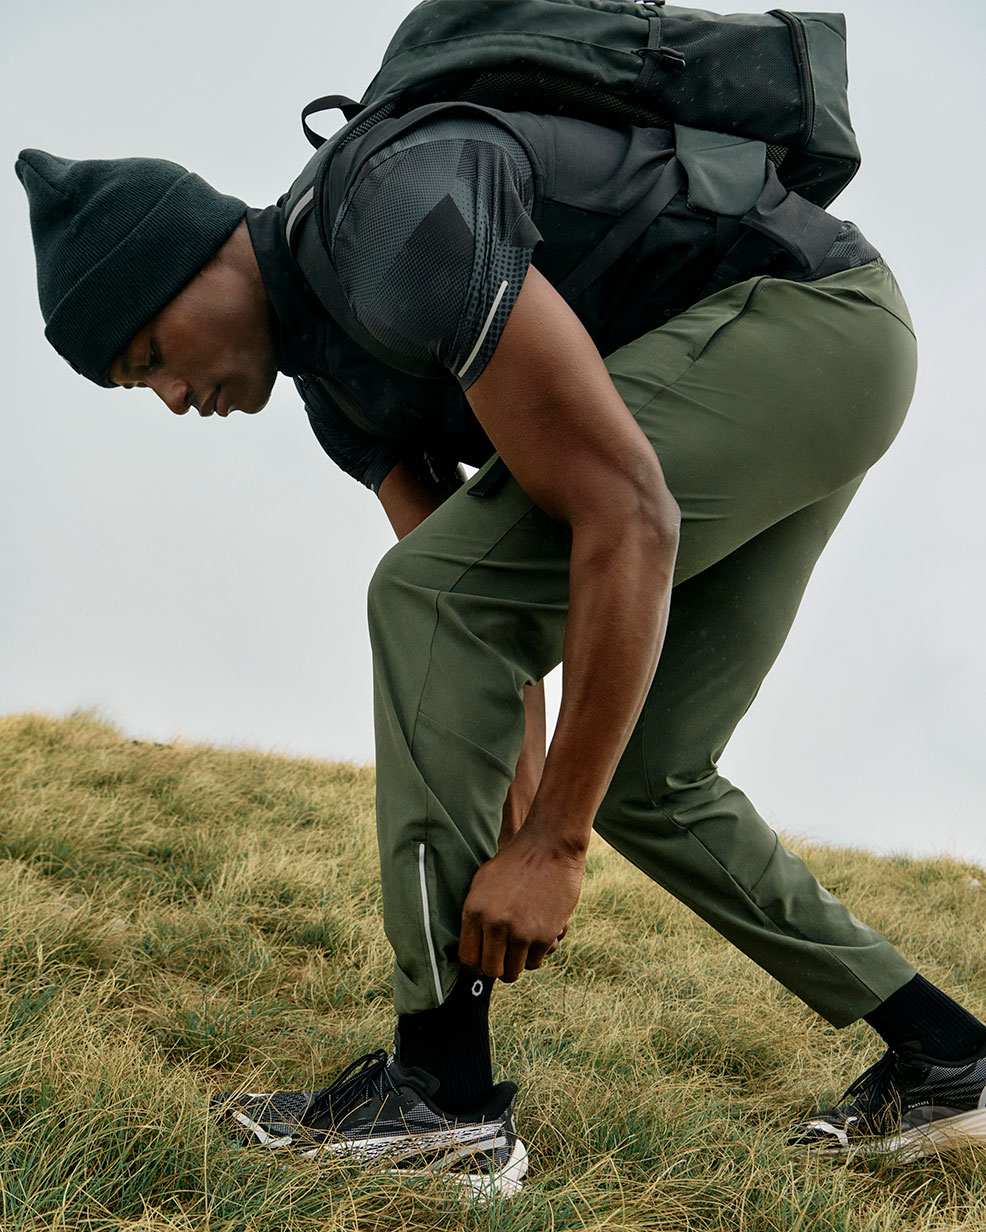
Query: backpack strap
x=625 y=231
x=788 y=222
x=349 y=107
x=805 y=230
x=310 y=247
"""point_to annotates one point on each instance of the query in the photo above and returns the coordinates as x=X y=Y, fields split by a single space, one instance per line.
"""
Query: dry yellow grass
x=176 y=918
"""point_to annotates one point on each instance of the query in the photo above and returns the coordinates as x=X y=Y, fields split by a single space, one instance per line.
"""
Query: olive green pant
x=766 y=404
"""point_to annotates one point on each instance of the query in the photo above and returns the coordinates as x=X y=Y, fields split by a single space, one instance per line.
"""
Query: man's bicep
x=548 y=405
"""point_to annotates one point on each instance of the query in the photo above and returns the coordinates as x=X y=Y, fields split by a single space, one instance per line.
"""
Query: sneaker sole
x=505 y=1182
x=948 y=1134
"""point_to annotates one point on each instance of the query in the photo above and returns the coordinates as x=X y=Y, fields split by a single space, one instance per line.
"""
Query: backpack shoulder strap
x=627 y=229
x=308 y=240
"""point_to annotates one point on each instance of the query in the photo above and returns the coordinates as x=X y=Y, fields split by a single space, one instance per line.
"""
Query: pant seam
x=693 y=359
x=418 y=706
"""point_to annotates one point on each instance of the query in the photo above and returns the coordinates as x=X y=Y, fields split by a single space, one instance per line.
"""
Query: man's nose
x=175 y=393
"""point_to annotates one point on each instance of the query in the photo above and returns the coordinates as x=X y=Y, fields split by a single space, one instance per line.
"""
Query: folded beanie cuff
x=101 y=312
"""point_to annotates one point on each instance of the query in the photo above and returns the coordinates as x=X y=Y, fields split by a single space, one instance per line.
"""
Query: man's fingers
x=536 y=955
x=490 y=953
x=494 y=952
x=516 y=960
x=471 y=944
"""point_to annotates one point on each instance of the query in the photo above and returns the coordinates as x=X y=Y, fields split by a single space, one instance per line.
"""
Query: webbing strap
x=786 y=221
x=628 y=228
x=805 y=230
x=349 y=107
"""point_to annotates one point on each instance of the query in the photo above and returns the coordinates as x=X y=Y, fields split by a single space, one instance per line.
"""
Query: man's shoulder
x=449 y=125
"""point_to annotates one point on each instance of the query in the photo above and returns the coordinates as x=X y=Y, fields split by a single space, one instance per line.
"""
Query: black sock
x=453 y=1044
x=920 y=1011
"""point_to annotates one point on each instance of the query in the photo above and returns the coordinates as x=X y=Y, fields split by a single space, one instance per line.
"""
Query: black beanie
x=115 y=240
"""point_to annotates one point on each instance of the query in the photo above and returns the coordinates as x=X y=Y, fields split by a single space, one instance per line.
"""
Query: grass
x=175 y=919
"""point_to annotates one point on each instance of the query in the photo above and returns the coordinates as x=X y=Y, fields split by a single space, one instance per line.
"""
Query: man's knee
x=390 y=588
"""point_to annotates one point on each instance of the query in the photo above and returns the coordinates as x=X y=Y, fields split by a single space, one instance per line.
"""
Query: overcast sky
x=206 y=579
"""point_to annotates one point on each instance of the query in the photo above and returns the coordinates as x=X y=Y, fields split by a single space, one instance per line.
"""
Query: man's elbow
x=651 y=507
x=633 y=506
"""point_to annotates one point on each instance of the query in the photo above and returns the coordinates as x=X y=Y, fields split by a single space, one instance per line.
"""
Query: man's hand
x=518 y=907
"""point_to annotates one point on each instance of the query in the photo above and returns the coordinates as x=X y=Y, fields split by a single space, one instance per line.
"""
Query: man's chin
x=256 y=405
x=254 y=400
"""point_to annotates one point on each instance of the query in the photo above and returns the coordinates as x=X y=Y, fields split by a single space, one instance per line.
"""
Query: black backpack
x=778 y=78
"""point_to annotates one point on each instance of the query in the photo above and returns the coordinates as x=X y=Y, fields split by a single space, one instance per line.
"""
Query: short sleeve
x=434 y=239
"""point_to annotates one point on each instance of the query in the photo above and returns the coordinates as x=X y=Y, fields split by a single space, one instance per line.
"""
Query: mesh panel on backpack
x=372 y=118
x=719 y=52
x=777 y=154
x=851 y=249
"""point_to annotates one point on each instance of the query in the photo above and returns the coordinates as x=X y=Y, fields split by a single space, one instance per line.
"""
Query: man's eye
x=153 y=357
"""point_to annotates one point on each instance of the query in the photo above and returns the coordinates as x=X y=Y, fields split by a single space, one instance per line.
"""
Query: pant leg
x=760 y=401
x=465 y=610
x=672 y=814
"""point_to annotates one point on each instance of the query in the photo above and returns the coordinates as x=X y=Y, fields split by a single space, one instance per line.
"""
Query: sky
x=206 y=579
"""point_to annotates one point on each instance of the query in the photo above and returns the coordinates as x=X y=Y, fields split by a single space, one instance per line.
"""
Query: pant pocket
x=656 y=360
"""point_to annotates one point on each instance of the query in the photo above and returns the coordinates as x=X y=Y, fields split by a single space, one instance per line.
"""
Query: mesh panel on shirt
x=851 y=248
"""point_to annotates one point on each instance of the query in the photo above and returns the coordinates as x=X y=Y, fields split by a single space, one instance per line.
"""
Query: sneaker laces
x=365 y=1078
x=873 y=1093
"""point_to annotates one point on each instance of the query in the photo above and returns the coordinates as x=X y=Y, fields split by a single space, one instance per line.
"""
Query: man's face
x=211 y=348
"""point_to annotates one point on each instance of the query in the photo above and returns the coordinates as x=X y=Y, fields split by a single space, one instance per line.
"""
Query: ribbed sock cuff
x=452 y=1043
x=921 y=1011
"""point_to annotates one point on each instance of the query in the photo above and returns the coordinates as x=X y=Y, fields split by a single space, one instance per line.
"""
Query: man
x=650 y=519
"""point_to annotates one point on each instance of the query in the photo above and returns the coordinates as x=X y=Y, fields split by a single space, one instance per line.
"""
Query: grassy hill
x=175 y=919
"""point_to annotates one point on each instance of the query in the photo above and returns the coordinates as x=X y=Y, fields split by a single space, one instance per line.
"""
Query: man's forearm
x=520 y=902
x=530 y=764
x=620 y=597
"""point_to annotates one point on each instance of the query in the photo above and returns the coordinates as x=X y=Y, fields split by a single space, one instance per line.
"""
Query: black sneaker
x=382 y=1114
x=906 y=1104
